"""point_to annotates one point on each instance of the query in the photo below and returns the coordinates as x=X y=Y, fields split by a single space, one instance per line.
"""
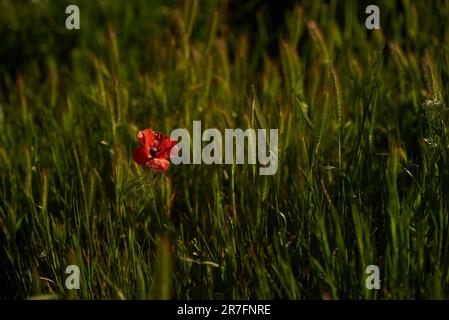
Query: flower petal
x=160 y=165
x=146 y=137
x=140 y=156
x=165 y=147
x=141 y=137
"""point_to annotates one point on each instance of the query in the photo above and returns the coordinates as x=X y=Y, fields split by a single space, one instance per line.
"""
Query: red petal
x=146 y=137
x=140 y=156
x=165 y=148
x=141 y=137
x=160 y=165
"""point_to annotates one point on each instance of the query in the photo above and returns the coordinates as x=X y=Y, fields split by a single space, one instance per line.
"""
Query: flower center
x=153 y=152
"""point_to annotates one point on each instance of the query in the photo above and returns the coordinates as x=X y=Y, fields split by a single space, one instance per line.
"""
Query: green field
x=363 y=174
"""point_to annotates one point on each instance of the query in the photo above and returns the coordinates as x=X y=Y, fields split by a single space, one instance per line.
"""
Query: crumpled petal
x=160 y=165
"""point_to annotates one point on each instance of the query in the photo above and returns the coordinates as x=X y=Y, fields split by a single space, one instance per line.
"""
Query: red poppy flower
x=155 y=150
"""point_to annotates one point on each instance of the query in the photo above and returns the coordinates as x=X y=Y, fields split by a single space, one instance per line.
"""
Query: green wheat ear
x=303 y=109
x=318 y=40
x=432 y=77
x=323 y=124
x=291 y=68
x=338 y=99
x=336 y=85
x=255 y=108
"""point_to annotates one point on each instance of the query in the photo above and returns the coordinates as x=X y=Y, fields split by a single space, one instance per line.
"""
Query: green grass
x=363 y=138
